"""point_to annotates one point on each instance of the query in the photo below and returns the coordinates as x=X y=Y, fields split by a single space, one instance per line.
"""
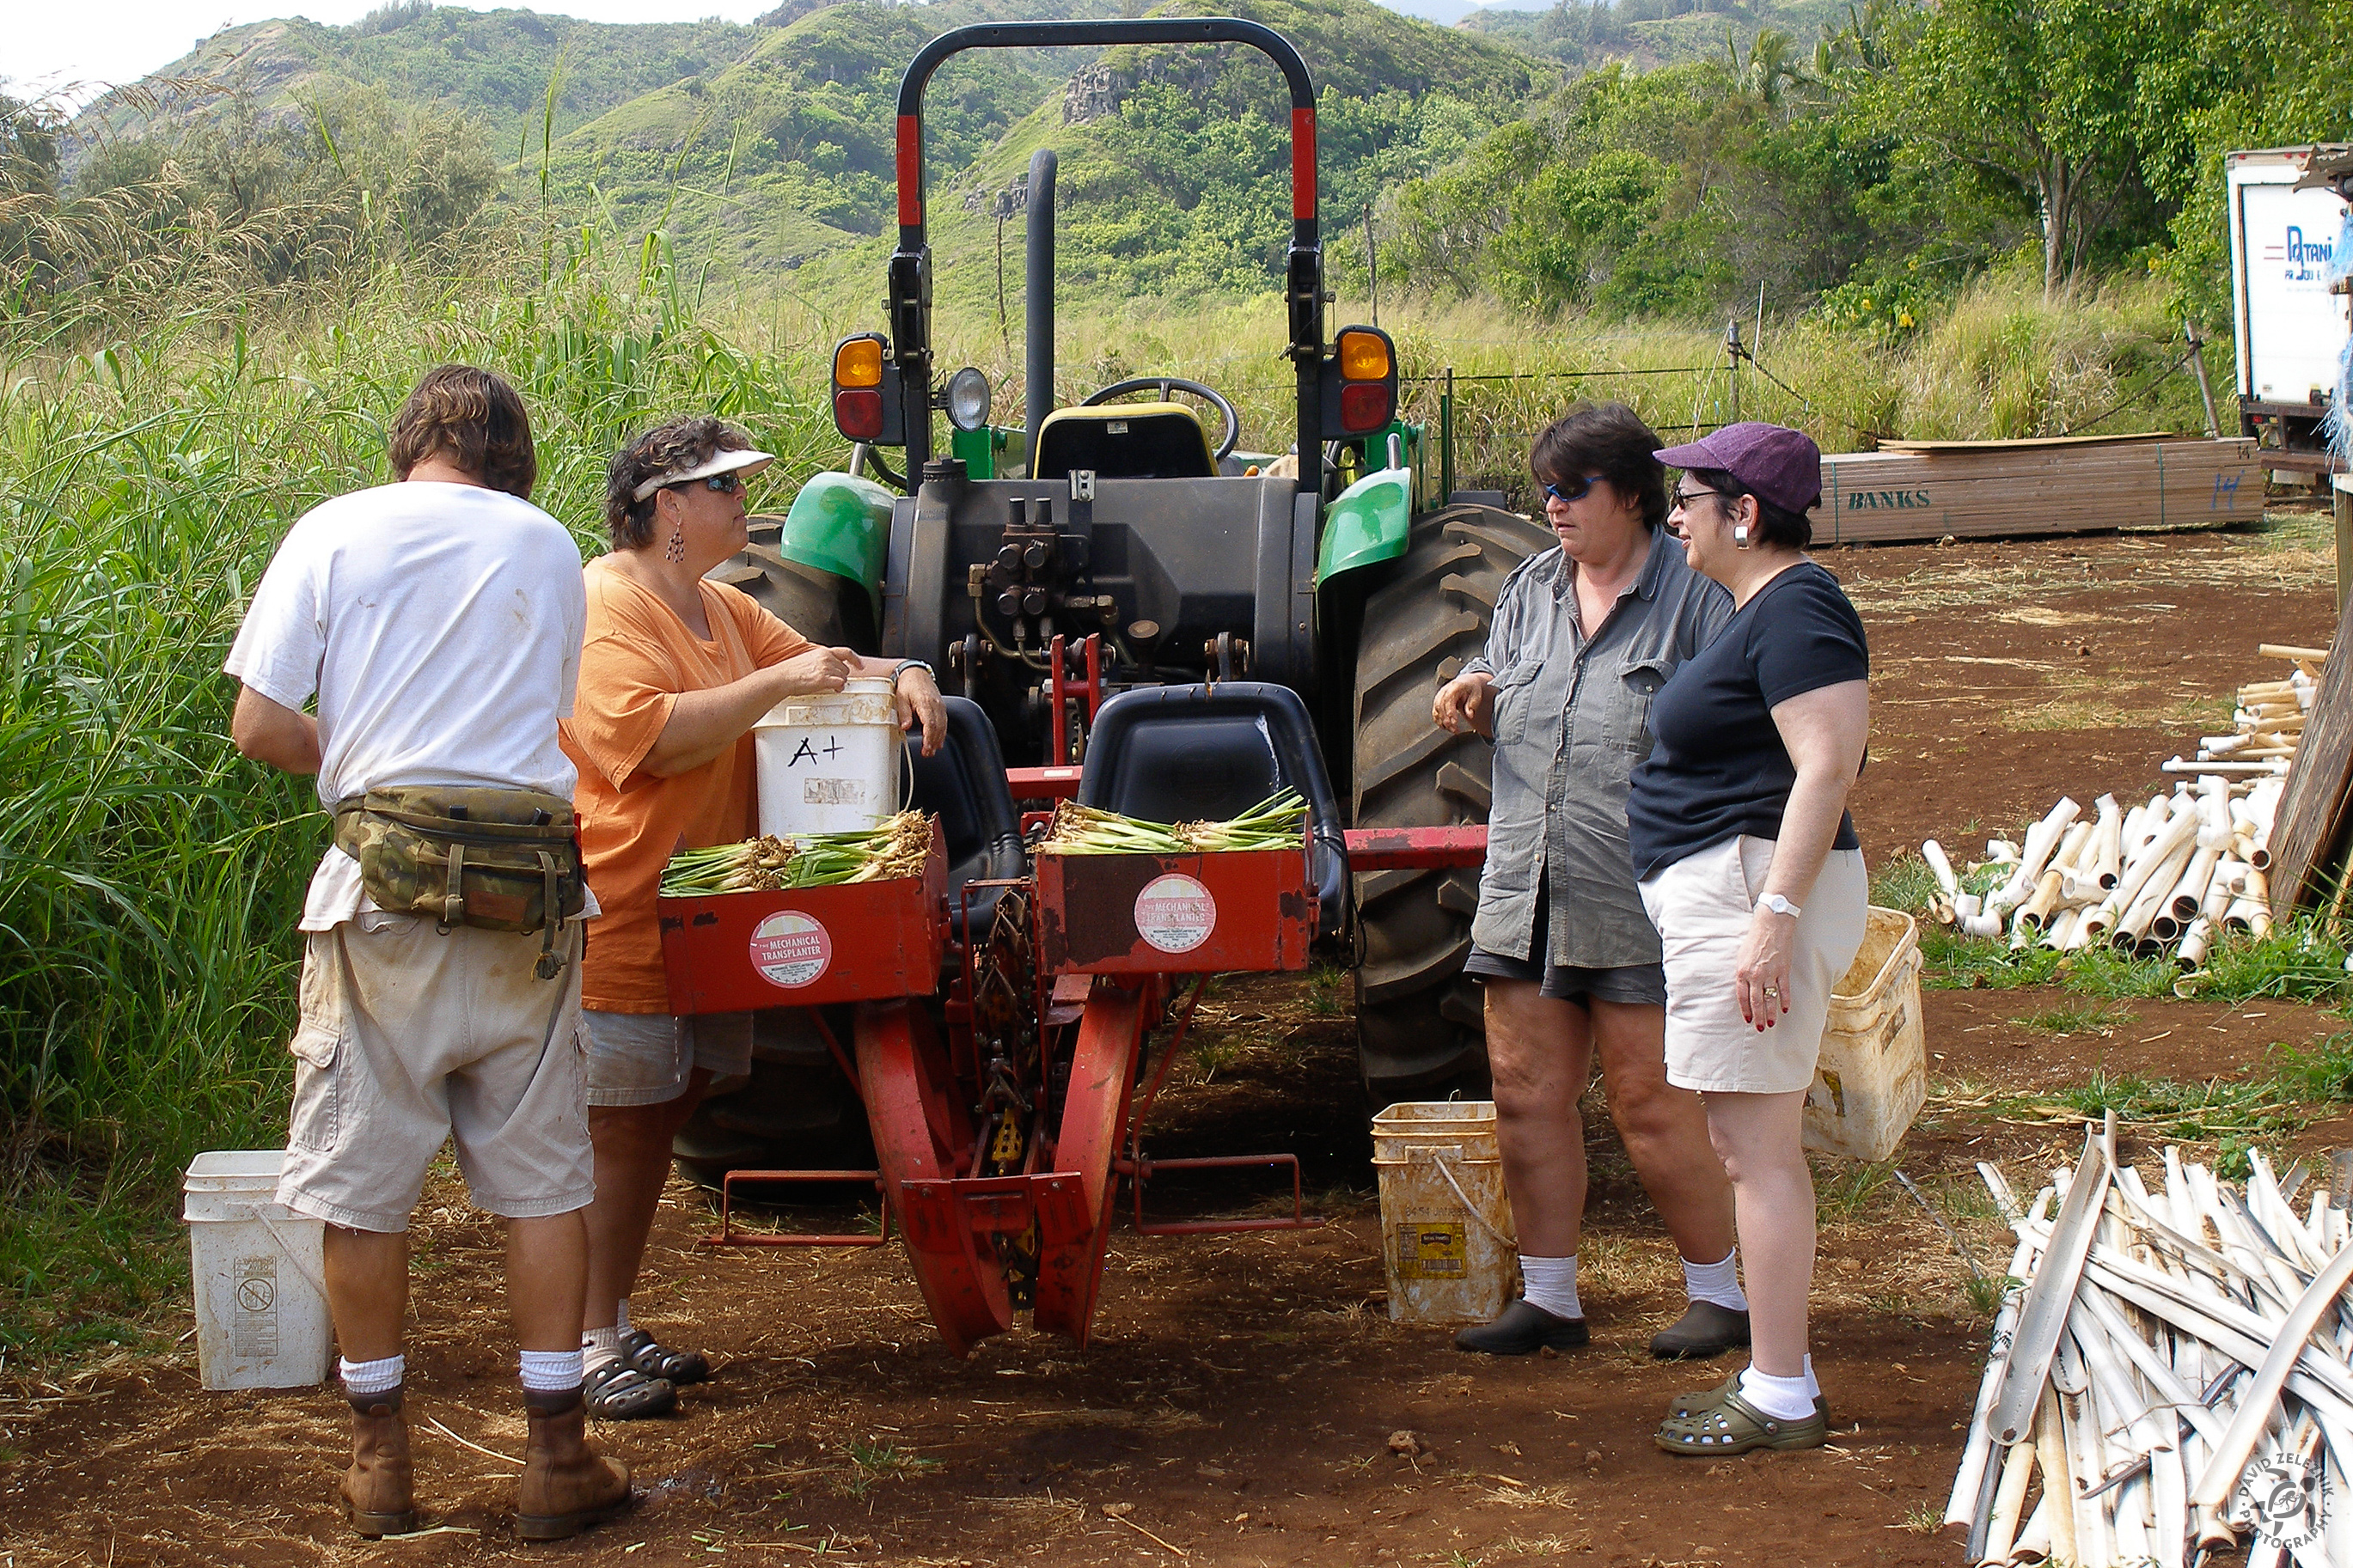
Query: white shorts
x=1702 y=906
x=411 y=1036
x=646 y=1058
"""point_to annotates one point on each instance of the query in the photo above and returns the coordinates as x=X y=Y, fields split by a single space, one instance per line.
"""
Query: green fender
x=841 y=524
x=1369 y=522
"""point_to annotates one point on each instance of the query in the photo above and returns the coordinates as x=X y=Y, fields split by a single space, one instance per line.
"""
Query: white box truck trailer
x=2290 y=328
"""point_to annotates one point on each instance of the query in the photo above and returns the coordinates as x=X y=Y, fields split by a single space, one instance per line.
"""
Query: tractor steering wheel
x=1164 y=385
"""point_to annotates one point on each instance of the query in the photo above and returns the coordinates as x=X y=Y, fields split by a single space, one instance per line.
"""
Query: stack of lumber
x=2267 y=722
x=2174 y=1370
x=2164 y=876
x=1929 y=489
x=2309 y=851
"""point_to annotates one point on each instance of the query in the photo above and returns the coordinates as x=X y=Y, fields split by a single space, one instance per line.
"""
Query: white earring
x=1740 y=536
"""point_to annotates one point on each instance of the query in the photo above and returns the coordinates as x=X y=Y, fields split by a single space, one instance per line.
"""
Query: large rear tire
x=1419 y=1025
x=796 y=1111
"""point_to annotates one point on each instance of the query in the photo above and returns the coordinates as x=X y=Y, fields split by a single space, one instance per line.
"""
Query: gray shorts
x=411 y=1036
x=646 y=1058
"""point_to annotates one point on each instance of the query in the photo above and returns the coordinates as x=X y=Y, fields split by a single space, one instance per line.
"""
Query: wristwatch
x=905 y=665
x=1780 y=905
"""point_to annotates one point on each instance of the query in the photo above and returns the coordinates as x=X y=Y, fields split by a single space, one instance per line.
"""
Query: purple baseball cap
x=1778 y=464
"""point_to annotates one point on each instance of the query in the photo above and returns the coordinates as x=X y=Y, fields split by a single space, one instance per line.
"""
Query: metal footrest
x=1141 y=1169
x=728 y=1235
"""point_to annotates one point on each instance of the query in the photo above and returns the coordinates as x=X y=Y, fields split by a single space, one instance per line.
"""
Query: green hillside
x=493 y=65
x=1653 y=33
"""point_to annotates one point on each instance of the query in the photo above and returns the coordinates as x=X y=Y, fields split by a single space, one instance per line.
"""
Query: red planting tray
x=1175 y=914
x=731 y=952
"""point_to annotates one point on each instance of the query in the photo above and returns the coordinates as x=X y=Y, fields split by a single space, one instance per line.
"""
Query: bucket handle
x=1469 y=1207
x=302 y=1267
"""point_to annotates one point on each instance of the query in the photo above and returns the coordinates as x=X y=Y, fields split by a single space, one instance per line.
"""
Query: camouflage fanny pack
x=498 y=860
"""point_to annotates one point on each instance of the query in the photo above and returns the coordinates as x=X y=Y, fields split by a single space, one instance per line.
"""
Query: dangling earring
x=675 y=551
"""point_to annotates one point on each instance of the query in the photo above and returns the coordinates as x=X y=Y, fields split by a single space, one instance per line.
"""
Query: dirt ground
x=1239 y=1403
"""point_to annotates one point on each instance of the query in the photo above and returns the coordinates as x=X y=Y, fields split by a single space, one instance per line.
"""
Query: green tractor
x=1303 y=601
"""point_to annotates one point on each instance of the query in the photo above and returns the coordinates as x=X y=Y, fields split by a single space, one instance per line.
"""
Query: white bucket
x=829 y=764
x=260 y=1281
x=1872 y=1075
x=1446 y=1225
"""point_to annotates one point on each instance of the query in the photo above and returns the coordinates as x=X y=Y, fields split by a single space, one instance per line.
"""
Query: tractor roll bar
x=910 y=265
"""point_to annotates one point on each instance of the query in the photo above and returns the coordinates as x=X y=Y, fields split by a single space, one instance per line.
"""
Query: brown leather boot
x=566 y=1485
x=379 y=1488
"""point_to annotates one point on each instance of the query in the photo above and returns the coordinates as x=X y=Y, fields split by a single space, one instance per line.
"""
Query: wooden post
x=2342 y=499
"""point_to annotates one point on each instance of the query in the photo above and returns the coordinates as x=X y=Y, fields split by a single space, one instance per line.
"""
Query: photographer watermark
x=2289 y=1498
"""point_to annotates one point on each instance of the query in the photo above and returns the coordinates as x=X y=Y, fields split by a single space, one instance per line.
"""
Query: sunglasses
x=724 y=484
x=1568 y=495
x=1687 y=498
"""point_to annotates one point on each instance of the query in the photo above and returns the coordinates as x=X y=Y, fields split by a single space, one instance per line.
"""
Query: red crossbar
x=1416 y=849
x=1043 y=783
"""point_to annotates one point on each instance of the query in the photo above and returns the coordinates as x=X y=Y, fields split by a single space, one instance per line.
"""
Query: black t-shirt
x=1719 y=768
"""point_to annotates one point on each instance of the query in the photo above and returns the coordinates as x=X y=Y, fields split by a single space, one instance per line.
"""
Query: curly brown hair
x=680 y=443
x=473 y=419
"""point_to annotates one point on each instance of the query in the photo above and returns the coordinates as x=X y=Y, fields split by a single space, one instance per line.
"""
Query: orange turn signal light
x=1363 y=356
x=858 y=362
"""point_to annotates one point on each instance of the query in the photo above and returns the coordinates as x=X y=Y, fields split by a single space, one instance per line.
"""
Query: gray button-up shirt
x=1572 y=717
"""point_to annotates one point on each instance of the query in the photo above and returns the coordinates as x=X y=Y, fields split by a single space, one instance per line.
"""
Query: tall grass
x=2002 y=361
x=149 y=879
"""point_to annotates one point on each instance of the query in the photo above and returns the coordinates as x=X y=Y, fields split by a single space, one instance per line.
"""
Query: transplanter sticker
x=1175 y=913
x=790 y=950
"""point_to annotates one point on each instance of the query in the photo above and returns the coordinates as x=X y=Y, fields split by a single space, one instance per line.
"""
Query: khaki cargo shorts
x=409 y=1037
x=1702 y=906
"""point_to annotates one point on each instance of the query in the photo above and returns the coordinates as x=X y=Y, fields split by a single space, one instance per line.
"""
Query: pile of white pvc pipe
x=2174 y=1369
x=2267 y=722
x=2163 y=877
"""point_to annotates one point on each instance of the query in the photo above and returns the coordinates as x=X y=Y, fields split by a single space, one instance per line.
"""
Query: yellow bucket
x=1872 y=1075
x=1446 y=1225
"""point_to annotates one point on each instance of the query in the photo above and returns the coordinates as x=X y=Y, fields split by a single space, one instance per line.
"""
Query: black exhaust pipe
x=1038 y=300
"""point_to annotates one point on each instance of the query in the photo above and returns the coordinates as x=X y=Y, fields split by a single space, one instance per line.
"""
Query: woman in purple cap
x=1750 y=868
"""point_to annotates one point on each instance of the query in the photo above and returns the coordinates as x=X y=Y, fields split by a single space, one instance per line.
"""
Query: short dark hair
x=1608 y=439
x=681 y=443
x=470 y=418
x=1775 y=524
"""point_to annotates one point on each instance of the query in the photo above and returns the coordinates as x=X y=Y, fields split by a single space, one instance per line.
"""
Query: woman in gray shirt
x=1583 y=637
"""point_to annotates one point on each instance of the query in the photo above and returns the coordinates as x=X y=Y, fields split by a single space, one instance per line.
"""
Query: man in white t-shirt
x=438 y=621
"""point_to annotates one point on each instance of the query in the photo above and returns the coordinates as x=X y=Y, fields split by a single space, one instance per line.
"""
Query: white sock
x=550 y=1372
x=1716 y=1282
x=365 y=1377
x=1783 y=1398
x=1551 y=1283
x=598 y=1346
x=1813 y=1389
x=621 y=1322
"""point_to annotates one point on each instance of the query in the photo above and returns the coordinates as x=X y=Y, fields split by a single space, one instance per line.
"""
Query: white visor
x=726 y=460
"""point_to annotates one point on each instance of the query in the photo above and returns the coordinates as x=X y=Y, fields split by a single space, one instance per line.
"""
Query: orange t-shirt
x=638 y=656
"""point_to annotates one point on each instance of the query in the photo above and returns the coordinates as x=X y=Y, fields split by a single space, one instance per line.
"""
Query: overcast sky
x=46 y=45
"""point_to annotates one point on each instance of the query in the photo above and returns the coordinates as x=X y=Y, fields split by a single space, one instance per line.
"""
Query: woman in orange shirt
x=675 y=671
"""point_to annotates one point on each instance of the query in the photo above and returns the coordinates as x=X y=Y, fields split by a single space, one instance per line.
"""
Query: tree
x=2037 y=92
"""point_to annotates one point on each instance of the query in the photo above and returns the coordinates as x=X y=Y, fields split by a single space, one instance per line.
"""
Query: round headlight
x=968 y=398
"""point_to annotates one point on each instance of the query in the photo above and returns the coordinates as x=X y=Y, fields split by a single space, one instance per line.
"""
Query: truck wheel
x=1419 y=1027
x=796 y=1111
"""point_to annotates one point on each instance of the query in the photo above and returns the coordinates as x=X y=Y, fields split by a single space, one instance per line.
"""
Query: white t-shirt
x=440 y=626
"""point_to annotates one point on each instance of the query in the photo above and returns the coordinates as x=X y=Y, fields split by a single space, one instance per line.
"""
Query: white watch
x=1780 y=905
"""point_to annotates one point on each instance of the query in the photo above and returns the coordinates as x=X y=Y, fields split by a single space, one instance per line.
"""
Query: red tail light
x=858 y=413
x=1365 y=406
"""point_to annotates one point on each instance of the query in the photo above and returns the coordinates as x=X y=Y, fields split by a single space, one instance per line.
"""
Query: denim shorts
x=646 y=1058
x=1640 y=984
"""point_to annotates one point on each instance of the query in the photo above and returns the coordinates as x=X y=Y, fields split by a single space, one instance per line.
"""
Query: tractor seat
x=964 y=788
x=1203 y=754
x=1124 y=441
